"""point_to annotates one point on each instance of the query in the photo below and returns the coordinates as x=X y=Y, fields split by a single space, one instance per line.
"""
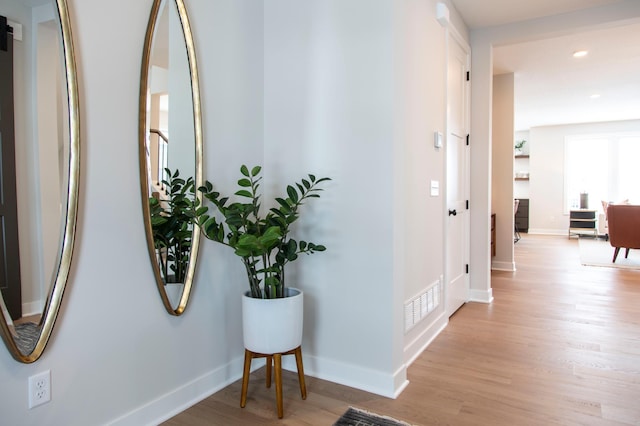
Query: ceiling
x=551 y=86
x=489 y=13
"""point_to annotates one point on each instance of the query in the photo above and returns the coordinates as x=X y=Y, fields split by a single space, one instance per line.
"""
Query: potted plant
x=264 y=244
x=519 y=146
x=172 y=226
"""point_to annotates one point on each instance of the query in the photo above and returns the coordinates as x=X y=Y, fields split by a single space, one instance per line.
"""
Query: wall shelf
x=522 y=156
x=521 y=178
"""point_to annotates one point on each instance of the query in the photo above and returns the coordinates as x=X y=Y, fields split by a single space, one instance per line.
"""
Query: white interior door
x=457 y=253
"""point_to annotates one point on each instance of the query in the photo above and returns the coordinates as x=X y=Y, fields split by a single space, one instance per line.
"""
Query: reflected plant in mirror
x=170 y=149
x=39 y=130
x=172 y=227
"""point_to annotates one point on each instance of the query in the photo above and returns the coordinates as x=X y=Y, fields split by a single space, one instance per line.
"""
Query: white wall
x=421 y=81
x=327 y=109
x=502 y=171
x=547 y=163
x=351 y=90
x=355 y=95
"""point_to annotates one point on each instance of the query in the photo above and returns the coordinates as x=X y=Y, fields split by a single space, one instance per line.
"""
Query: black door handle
x=453 y=212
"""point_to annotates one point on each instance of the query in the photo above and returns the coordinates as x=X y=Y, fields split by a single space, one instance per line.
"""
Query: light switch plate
x=435 y=188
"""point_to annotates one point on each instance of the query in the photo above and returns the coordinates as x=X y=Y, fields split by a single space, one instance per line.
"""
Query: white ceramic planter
x=272 y=326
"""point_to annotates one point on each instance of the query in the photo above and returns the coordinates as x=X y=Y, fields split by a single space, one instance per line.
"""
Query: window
x=605 y=167
x=629 y=169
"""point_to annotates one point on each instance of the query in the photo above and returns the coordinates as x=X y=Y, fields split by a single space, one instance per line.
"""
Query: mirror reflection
x=39 y=168
x=170 y=150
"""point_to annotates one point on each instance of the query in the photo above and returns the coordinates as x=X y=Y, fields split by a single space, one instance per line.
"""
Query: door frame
x=10 y=285
x=453 y=36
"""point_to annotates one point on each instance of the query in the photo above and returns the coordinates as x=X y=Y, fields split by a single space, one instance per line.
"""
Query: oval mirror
x=170 y=150
x=39 y=134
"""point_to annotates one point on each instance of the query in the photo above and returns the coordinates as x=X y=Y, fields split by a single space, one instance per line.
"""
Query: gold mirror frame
x=142 y=137
x=61 y=276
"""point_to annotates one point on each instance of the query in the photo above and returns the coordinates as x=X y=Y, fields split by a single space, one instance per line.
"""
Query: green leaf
x=242 y=252
x=278 y=213
x=245 y=183
x=286 y=207
x=201 y=220
x=271 y=237
x=244 y=193
x=244 y=170
x=293 y=194
x=256 y=170
x=210 y=229
x=158 y=220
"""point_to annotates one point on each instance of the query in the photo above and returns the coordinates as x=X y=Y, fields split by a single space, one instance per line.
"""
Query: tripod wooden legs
x=273 y=360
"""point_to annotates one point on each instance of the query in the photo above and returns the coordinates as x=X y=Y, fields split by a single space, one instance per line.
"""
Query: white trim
x=17 y=29
x=542 y=231
x=452 y=35
x=32 y=308
x=481 y=296
x=179 y=399
x=442 y=14
x=503 y=266
x=453 y=31
x=414 y=348
x=355 y=376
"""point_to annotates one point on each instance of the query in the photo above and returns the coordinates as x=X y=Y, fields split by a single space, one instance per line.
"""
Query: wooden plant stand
x=272 y=359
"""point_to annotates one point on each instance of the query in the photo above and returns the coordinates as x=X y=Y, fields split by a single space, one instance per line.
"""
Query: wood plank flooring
x=560 y=345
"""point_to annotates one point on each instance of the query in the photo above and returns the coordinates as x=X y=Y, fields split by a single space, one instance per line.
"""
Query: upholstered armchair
x=624 y=227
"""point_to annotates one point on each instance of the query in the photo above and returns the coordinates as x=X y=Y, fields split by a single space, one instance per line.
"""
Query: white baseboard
x=352 y=375
x=481 y=296
x=543 y=231
x=503 y=266
x=414 y=348
x=32 y=308
x=186 y=395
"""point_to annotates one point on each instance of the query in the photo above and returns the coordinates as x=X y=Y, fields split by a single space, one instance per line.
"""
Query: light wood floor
x=560 y=345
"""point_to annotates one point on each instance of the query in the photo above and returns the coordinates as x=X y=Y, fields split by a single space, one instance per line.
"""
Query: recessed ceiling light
x=594 y=96
x=580 y=53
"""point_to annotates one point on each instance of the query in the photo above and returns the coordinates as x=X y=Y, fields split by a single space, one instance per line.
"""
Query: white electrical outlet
x=39 y=389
